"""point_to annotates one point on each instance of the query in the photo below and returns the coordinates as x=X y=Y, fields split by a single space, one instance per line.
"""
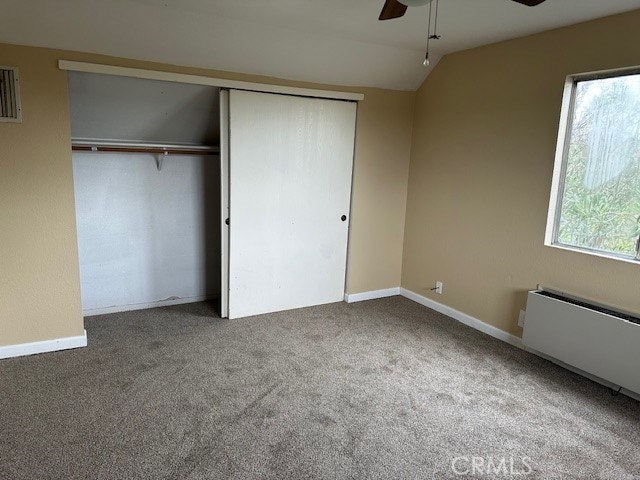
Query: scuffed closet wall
x=146 y=235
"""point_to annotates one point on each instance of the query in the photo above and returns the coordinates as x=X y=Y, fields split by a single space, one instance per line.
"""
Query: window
x=595 y=197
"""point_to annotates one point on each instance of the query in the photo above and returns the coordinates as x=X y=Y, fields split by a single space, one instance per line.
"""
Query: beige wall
x=383 y=146
x=39 y=284
x=482 y=157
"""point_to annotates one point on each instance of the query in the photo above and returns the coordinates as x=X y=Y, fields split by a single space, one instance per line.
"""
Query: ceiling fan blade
x=392 y=9
x=529 y=3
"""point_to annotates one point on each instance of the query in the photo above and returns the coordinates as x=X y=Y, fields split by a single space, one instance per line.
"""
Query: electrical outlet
x=439 y=288
x=521 y=318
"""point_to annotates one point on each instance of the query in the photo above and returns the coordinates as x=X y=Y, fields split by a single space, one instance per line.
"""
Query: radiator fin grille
x=597 y=308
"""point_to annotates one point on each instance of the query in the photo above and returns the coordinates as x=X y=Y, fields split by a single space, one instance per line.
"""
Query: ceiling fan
x=396 y=8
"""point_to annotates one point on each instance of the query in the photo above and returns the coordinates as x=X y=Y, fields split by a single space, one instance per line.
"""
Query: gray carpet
x=379 y=389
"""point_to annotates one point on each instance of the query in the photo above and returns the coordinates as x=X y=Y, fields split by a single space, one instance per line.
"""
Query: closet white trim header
x=202 y=80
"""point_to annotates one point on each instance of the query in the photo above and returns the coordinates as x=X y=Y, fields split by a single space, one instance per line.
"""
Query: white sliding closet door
x=291 y=162
x=224 y=203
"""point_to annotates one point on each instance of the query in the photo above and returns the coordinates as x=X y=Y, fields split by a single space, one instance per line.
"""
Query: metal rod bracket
x=160 y=158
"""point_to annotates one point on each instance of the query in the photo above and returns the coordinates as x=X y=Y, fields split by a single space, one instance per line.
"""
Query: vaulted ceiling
x=325 y=41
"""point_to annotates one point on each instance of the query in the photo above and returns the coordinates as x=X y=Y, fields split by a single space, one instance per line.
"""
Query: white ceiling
x=325 y=41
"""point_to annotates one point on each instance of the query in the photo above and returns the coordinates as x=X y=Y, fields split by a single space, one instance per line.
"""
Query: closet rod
x=156 y=149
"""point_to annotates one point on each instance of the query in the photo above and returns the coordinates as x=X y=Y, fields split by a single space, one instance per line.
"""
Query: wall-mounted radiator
x=592 y=338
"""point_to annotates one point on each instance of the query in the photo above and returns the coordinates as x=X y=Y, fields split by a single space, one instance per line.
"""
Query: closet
x=147 y=191
x=187 y=191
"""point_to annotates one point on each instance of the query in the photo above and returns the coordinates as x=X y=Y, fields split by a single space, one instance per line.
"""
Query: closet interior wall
x=148 y=223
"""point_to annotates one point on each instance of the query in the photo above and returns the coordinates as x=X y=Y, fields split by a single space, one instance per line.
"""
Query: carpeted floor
x=381 y=389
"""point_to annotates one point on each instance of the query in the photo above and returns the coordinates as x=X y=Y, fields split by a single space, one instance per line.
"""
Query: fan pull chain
x=435 y=35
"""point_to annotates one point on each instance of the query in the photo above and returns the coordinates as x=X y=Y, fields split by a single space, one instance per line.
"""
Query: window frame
x=561 y=158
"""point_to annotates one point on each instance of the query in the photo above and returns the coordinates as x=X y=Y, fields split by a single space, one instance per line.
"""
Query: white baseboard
x=504 y=336
x=463 y=318
x=44 y=346
x=361 y=297
x=142 y=306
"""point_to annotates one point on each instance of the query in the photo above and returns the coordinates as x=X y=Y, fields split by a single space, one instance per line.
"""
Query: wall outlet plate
x=521 y=318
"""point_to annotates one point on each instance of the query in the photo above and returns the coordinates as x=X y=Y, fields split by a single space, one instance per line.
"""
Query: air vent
x=9 y=95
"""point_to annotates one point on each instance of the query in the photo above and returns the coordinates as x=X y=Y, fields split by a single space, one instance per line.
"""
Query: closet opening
x=146 y=168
